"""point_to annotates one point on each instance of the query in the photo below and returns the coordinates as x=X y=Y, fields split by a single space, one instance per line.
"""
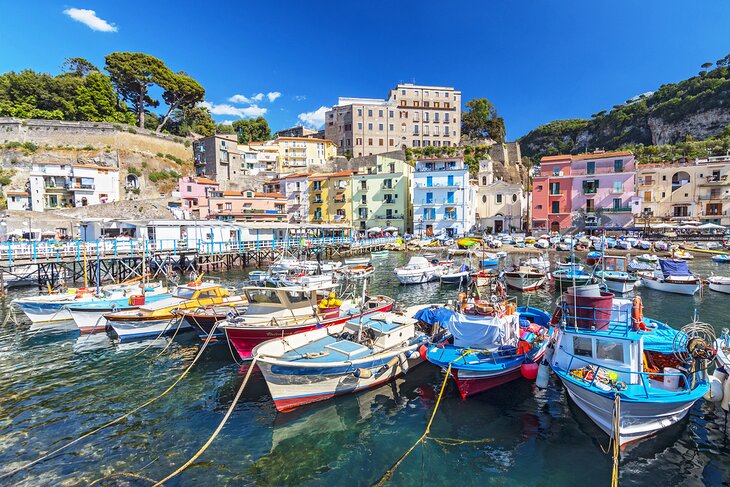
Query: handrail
x=642 y=375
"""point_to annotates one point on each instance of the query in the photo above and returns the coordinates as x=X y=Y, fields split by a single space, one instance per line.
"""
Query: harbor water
x=56 y=385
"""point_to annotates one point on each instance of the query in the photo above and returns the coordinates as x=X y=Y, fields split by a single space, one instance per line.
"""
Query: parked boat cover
x=480 y=332
x=660 y=339
x=435 y=315
x=674 y=268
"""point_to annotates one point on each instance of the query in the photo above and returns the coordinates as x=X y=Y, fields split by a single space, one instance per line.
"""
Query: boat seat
x=347 y=348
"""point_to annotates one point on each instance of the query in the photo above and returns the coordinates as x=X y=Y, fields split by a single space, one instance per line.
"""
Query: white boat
x=453 y=275
x=357 y=260
x=623 y=245
x=644 y=245
x=340 y=359
x=418 y=270
x=651 y=258
x=673 y=276
x=719 y=284
x=614 y=274
x=542 y=244
x=607 y=357
x=356 y=271
x=525 y=278
x=89 y=317
x=682 y=254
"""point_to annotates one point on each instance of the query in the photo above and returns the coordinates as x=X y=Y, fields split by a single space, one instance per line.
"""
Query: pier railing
x=50 y=250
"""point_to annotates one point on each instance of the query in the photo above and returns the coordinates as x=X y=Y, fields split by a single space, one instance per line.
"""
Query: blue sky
x=536 y=60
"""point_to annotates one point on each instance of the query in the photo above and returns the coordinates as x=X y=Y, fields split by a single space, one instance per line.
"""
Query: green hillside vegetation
x=83 y=92
x=627 y=124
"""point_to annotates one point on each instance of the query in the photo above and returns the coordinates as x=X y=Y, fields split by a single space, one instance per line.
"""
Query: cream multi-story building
x=297 y=153
x=501 y=206
x=381 y=195
x=411 y=116
x=62 y=185
x=698 y=190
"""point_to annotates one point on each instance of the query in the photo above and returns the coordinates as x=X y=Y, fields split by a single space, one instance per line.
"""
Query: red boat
x=284 y=311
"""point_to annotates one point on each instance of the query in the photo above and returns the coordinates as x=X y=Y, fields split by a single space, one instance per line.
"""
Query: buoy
x=362 y=373
x=543 y=374
x=529 y=370
x=714 y=393
x=725 y=402
x=423 y=351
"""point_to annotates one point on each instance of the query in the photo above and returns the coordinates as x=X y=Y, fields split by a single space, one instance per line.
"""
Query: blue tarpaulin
x=661 y=339
x=435 y=315
x=674 y=267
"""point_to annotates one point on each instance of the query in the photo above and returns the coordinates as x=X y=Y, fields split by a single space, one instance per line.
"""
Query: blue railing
x=49 y=250
x=643 y=376
x=584 y=318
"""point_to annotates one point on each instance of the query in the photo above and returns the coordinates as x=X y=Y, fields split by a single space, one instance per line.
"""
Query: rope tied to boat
x=615 y=439
x=118 y=419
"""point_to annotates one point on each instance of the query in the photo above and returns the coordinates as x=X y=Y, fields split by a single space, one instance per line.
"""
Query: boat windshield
x=262 y=296
x=184 y=293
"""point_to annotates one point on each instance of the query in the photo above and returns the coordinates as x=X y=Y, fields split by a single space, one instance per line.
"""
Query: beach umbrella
x=687 y=227
x=375 y=230
x=692 y=222
x=662 y=226
x=391 y=229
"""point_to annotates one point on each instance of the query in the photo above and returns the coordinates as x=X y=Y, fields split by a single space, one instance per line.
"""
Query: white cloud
x=258 y=97
x=239 y=99
x=314 y=119
x=90 y=19
x=299 y=97
x=227 y=122
x=224 y=109
x=273 y=95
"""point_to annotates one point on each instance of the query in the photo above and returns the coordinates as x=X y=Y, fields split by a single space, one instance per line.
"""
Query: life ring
x=637 y=314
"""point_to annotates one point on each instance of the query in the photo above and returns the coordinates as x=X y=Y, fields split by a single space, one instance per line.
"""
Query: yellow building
x=297 y=153
x=330 y=197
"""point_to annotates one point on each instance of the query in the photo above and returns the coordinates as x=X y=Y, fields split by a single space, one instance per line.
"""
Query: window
x=618 y=165
x=364 y=185
x=582 y=346
x=554 y=188
x=359 y=112
x=590 y=186
x=514 y=198
x=590 y=206
x=429 y=181
x=429 y=198
x=591 y=167
x=555 y=207
x=190 y=188
x=358 y=141
x=391 y=127
x=499 y=199
x=556 y=171
x=380 y=113
x=618 y=187
x=446 y=118
x=425 y=130
x=380 y=126
x=617 y=203
x=450 y=197
x=607 y=350
x=229 y=206
x=359 y=125
x=370 y=126
x=370 y=141
x=391 y=166
x=484 y=198
x=415 y=130
x=391 y=142
x=450 y=180
x=381 y=142
x=391 y=113
x=364 y=199
x=370 y=113
x=436 y=118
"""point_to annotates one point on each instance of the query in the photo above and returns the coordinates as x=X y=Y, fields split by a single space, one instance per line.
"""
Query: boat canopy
x=431 y=316
x=661 y=340
x=480 y=332
x=674 y=267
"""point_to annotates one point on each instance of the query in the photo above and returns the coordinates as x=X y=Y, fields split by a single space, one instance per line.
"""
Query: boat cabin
x=615 y=263
x=267 y=300
x=200 y=290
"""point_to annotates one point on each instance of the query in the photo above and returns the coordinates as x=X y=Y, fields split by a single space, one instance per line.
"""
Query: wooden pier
x=99 y=261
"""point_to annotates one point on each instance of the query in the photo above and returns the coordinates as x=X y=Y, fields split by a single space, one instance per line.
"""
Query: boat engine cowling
x=715 y=392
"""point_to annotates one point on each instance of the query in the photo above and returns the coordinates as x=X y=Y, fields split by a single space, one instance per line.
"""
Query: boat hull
x=524 y=282
x=417 y=278
x=90 y=321
x=620 y=285
x=245 y=338
x=131 y=329
x=473 y=382
x=688 y=289
x=720 y=287
x=40 y=312
x=638 y=419
x=291 y=387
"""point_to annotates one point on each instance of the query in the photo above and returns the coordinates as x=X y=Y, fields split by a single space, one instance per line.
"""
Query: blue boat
x=491 y=348
x=721 y=258
x=571 y=275
x=89 y=317
x=624 y=369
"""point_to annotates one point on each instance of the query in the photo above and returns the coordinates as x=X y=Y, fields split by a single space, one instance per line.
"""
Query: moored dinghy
x=341 y=359
x=418 y=270
x=615 y=276
x=524 y=278
x=719 y=283
x=610 y=359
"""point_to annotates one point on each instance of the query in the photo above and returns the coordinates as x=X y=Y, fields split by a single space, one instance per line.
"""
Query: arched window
x=484 y=199
x=484 y=180
x=679 y=179
x=514 y=198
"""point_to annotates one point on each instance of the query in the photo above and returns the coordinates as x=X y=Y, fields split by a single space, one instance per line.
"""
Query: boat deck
x=327 y=350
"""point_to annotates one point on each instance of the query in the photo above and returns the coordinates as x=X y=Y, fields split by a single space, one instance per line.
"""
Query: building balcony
x=618 y=209
x=713 y=180
x=317 y=202
x=590 y=191
x=389 y=202
x=83 y=187
x=56 y=189
x=598 y=171
x=386 y=217
x=438 y=185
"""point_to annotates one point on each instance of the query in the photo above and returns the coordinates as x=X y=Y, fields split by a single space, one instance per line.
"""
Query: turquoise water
x=56 y=385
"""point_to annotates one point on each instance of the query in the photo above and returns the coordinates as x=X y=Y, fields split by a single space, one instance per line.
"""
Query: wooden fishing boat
x=89 y=317
x=719 y=283
x=673 y=276
x=491 y=344
x=525 y=278
x=358 y=271
x=614 y=275
x=357 y=261
x=152 y=319
x=610 y=358
x=358 y=354
x=418 y=270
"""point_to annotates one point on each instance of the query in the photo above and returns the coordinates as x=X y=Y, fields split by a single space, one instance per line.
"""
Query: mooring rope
x=118 y=419
x=217 y=430
x=615 y=439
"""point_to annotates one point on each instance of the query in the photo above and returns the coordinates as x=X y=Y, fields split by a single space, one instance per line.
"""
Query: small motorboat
x=644 y=245
x=379 y=253
x=614 y=274
x=612 y=360
x=453 y=276
x=673 y=276
x=358 y=271
x=719 y=283
x=357 y=260
x=418 y=270
x=204 y=318
x=488 y=259
x=624 y=244
x=340 y=359
x=485 y=278
x=721 y=258
x=542 y=243
x=571 y=275
x=525 y=278
x=661 y=246
x=650 y=258
x=469 y=242
x=89 y=317
x=493 y=341
x=682 y=254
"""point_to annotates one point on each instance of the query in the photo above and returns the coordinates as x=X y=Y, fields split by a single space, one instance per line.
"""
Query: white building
x=18 y=200
x=500 y=206
x=443 y=197
x=59 y=185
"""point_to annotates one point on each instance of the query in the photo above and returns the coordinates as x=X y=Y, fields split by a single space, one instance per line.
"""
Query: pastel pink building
x=194 y=193
x=242 y=206
x=588 y=182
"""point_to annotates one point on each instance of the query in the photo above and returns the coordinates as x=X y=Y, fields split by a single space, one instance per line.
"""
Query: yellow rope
x=616 y=439
x=391 y=470
x=117 y=420
x=217 y=430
